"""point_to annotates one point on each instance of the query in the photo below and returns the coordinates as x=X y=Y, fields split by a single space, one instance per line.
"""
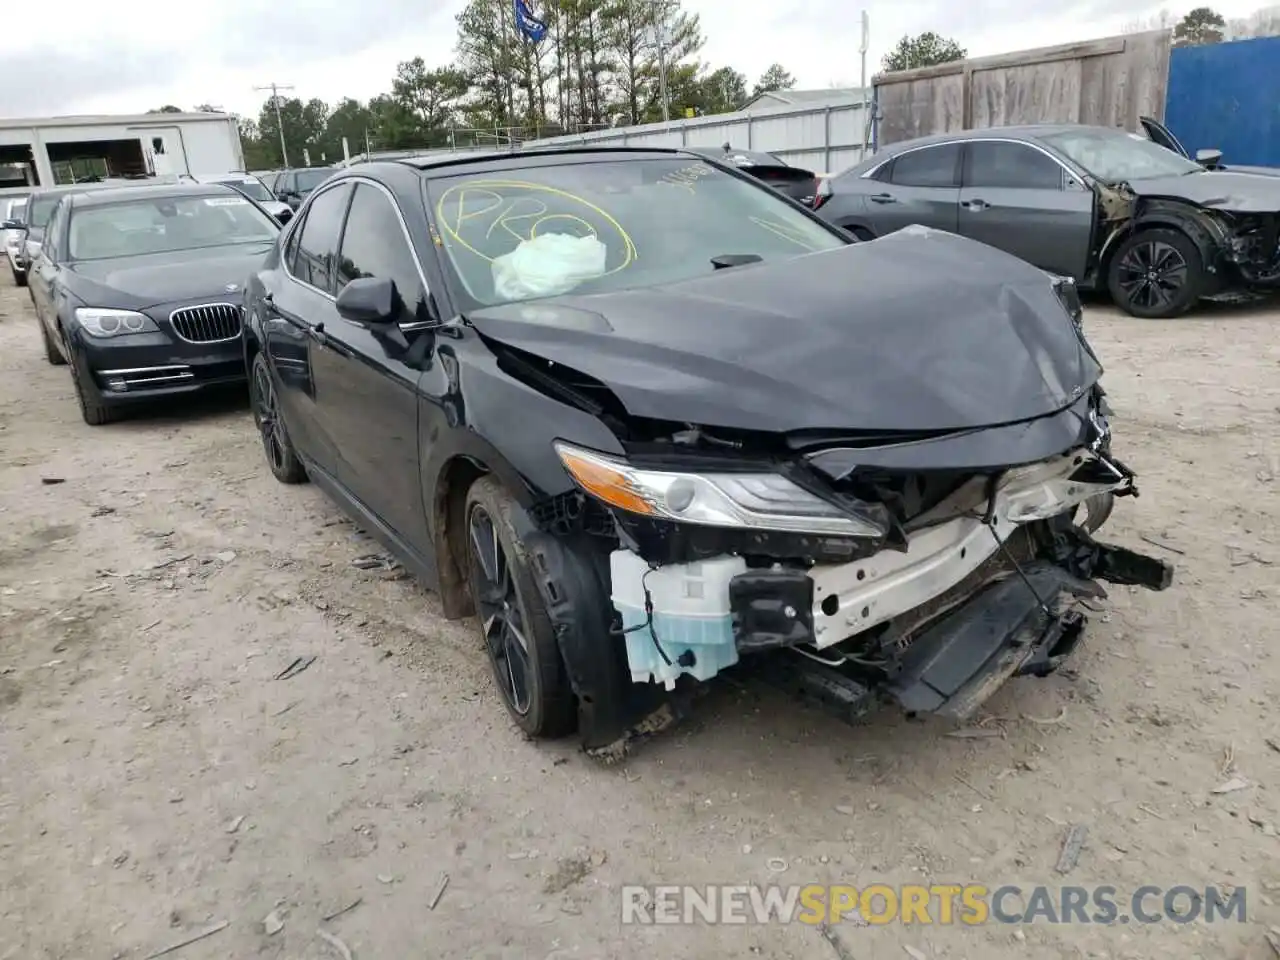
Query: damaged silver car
x=1112 y=209
x=648 y=420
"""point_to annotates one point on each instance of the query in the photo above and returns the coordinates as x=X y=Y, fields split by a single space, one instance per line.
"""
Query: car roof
x=756 y=158
x=159 y=192
x=81 y=187
x=539 y=156
x=1022 y=132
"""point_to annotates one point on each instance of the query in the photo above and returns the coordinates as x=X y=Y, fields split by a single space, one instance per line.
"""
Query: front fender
x=472 y=409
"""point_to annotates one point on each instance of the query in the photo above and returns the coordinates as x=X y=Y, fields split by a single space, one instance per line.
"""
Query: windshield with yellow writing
x=597 y=226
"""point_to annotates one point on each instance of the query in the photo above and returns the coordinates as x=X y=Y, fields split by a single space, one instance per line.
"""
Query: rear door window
x=316 y=260
x=927 y=166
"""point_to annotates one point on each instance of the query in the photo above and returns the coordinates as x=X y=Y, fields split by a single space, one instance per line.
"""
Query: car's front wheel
x=95 y=414
x=281 y=457
x=514 y=626
x=51 y=352
x=1156 y=274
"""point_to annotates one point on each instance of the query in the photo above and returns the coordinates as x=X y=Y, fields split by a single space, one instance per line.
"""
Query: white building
x=51 y=150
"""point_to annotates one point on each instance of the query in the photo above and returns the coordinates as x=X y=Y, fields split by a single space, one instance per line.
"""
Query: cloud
x=44 y=82
x=128 y=58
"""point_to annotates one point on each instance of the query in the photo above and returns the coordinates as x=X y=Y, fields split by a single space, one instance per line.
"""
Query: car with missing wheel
x=140 y=291
x=1112 y=209
x=647 y=421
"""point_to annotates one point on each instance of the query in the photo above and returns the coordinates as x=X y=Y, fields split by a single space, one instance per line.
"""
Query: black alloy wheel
x=94 y=414
x=517 y=634
x=281 y=457
x=1156 y=274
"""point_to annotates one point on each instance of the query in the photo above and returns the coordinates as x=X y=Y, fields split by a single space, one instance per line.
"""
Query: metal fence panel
x=1226 y=96
x=825 y=137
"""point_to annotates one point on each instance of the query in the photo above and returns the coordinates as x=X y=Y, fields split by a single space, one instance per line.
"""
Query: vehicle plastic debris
x=347 y=909
x=272 y=924
x=435 y=898
x=1072 y=845
x=295 y=668
x=1234 y=785
x=208 y=931
x=343 y=950
x=676 y=618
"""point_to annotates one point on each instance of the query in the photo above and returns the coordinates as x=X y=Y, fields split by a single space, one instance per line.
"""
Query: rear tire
x=19 y=279
x=514 y=627
x=1156 y=274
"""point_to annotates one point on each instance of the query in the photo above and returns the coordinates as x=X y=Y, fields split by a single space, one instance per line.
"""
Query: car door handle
x=976 y=205
x=883 y=198
x=316 y=333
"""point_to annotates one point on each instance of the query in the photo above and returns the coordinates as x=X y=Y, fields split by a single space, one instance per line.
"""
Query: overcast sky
x=127 y=58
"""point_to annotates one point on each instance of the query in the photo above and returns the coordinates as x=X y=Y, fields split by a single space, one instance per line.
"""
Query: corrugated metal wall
x=824 y=138
x=1226 y=96
x=1111 y=82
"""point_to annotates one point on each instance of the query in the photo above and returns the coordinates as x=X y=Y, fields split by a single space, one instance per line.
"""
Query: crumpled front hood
x=134 y=283
x=1237 y=192
x=917 y=331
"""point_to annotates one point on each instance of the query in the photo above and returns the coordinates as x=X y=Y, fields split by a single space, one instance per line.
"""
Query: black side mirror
x=1209 y=158
x=369 y=301
x=13 y=225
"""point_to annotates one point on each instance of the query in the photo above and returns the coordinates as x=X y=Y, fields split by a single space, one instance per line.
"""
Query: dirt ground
x=155 y=779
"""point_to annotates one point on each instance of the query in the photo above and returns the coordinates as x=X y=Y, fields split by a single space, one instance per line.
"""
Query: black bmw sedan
x=140 y=290
x=644 y=418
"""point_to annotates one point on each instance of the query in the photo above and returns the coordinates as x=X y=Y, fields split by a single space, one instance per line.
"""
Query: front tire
x=514 y=626
x=51 y=352
x=282 y=458
x=95 y=414
x=1156 y=274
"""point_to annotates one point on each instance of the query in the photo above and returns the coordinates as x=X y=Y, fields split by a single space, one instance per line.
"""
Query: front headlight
x=98 y=322
x=755 y=501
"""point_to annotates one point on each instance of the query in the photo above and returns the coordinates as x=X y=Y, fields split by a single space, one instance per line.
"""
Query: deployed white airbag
x=548 y=265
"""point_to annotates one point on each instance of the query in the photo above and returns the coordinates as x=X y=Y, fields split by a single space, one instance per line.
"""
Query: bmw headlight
x=755 y=501
x=98 y=322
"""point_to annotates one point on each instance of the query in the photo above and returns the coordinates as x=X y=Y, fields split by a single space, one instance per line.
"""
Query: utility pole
x=275 y=89
x=660 y=34
x=867 y=105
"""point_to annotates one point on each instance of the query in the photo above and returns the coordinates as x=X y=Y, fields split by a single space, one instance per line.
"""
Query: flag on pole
x=530 y=26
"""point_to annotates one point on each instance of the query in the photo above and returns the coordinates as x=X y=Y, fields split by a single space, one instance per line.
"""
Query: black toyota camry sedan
x=140 y=290
x=647 y=420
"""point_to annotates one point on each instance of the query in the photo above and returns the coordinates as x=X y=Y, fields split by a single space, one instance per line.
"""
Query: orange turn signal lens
x=604 y=480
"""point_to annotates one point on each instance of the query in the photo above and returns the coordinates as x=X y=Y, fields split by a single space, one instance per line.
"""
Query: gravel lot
x=155 y=779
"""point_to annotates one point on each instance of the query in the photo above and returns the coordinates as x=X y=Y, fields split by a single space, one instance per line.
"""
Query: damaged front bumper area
x=935 y=610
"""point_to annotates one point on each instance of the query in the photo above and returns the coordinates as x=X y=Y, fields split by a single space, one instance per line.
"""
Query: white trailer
x=47 y=151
